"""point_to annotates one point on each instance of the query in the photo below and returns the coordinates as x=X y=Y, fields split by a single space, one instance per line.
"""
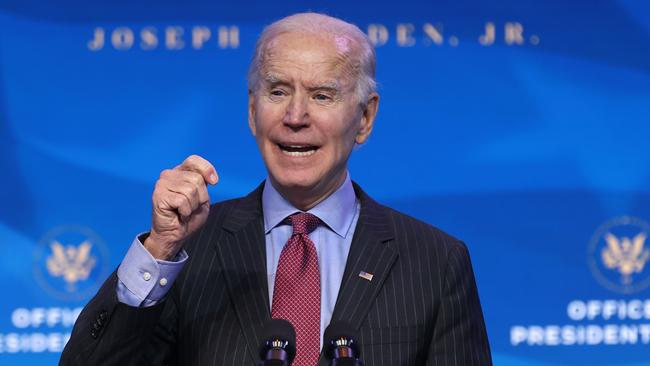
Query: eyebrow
x=274 y=80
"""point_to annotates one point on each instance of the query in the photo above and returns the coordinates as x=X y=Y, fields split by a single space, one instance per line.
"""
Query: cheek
x=269 y=113
x=348 y=131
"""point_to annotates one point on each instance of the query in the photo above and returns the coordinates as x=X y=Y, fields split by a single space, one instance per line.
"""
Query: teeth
x=299 y=153
x=297 y=150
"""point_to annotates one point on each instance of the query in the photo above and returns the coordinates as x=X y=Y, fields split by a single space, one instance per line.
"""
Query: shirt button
x=163 y=282
x=146 y=276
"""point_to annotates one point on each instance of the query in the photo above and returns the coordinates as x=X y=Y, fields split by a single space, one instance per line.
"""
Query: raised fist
x=180 y=205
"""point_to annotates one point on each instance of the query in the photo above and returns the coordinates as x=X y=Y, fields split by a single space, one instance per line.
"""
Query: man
x=308 y=245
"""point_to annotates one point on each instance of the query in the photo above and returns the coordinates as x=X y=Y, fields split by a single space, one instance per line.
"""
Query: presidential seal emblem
x=70 y=262
x=619 y=255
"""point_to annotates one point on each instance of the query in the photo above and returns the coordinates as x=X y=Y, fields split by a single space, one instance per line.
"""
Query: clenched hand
x=180 y=205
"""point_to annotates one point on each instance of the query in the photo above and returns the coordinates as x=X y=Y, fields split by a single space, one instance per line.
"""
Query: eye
x=277 y=93
x=322 y=97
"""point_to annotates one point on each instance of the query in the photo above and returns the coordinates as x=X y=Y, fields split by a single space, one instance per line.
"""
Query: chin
x=295 y=181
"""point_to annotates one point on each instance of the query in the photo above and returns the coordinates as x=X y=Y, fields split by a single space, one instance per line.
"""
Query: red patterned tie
x=296 y=295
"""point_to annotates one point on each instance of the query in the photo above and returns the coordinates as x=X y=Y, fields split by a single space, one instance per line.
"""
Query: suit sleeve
x=459 y=337
x=108 y=332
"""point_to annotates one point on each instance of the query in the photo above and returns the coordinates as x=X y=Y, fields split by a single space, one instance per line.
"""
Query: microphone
x=341 y=347
x=278 y=346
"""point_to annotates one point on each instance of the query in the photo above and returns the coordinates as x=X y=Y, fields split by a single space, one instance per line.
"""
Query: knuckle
x=189 y=178
x=192 y=158
x=166 y=173
x=187 y=192
x=184 y=206
x=177 y=200
x=158 y=190
x=159 y=201
x=197 y=179
x=189 y=199
x=196 y=191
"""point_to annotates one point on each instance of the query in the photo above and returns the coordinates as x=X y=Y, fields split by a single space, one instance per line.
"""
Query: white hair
x=362 y=52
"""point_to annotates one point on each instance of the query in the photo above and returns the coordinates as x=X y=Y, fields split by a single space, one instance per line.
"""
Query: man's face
x=306 y=116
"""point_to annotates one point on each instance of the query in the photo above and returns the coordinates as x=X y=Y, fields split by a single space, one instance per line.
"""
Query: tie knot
x=304 y=223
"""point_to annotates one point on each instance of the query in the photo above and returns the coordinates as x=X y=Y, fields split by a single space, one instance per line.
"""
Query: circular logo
x=619 y=253
x=70 y=261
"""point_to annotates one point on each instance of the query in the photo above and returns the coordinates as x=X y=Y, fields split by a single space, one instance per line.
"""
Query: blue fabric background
x=522 y=151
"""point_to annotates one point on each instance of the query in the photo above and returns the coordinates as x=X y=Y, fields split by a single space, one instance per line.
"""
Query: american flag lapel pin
x=365 y=275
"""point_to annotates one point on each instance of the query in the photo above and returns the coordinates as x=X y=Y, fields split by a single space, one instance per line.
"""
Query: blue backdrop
x=537 y=112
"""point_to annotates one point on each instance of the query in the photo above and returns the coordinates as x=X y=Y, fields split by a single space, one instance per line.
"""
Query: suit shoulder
x=225 y=206
x=412 y=230
x=219 y=212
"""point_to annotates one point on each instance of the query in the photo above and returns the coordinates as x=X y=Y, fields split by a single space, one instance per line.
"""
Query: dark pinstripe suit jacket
x=420 y=308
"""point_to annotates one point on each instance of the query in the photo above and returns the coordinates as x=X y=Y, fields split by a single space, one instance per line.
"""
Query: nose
x=297 y=116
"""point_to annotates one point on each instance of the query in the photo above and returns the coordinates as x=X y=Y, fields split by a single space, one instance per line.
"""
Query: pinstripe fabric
x=420 y=308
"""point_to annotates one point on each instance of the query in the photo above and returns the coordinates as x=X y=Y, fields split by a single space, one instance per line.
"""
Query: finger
x=189 y=191
x=197 y=181
x=198 y=164
x=171 y=178
x=178 y=176
x=167 y=200
x=190 y=184
x=179 y=203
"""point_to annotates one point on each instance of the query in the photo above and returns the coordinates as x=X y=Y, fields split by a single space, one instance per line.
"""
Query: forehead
x=309 y=56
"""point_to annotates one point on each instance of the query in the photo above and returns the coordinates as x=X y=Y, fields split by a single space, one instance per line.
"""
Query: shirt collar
x=336 y=211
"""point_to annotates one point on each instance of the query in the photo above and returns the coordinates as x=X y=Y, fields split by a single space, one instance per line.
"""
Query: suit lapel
x=242 y=251
x=371 y=252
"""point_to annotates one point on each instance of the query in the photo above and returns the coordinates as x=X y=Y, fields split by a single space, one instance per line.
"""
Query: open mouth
x=298 y=150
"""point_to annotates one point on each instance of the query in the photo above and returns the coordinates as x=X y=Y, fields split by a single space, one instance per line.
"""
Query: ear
x=368 y=118
x=251 y=112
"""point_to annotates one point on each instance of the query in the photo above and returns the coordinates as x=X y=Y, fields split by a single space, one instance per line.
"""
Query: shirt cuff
x=146 y=279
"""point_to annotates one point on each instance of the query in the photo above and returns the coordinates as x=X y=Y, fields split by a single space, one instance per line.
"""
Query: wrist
x=159 y=248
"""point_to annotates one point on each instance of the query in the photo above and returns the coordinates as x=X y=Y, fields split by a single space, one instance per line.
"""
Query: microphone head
x=340 y=334
x=278 y=333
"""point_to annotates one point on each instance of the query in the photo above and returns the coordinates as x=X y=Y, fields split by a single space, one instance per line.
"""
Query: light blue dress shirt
x=144 y=281
x=339 y=212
